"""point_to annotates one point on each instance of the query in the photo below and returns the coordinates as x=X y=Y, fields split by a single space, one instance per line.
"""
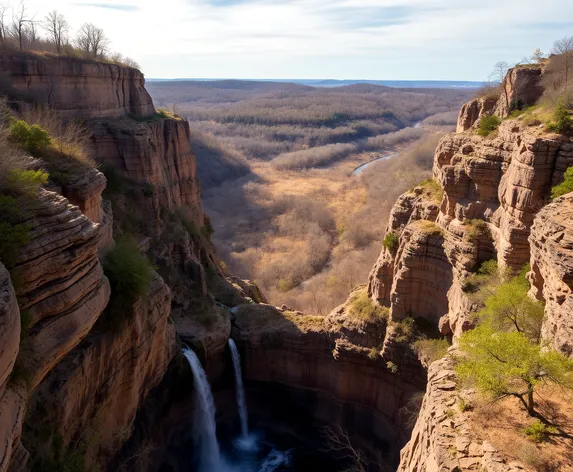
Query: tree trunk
x=530 y=402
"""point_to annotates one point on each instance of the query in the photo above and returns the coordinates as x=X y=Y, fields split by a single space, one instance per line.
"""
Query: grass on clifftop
x=364 y=308
x=433 y=189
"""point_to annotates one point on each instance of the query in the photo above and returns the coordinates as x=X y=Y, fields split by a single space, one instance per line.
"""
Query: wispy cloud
x=384 y=39
x=111 y=6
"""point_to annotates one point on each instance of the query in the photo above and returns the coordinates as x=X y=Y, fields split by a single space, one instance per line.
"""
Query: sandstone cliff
x=78 y=88
x=488 y=200
x=76 y=375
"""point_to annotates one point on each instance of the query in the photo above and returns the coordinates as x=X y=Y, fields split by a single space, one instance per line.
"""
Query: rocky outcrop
x=78 y=88
x=9 y=326
x=521 y=88
x=61 y=282
x=333 y=369
x=96 y=390
x=551 y=273
x=156 y=154
x=471 y=112
x=443 y=438
x=12 y=397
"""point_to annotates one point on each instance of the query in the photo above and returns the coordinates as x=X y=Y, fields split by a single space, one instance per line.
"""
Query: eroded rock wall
x=156 y=153
x=97 y=389
x=333 y=370
x=443 y=438
x=551 y=273
x=78 y=88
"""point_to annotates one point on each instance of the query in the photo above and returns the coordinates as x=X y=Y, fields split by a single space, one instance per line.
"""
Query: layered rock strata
x=551 y=273
x=78 y=88
x=443 y=438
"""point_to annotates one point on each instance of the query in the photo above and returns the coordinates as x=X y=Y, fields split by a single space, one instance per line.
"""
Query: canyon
x=118 y=395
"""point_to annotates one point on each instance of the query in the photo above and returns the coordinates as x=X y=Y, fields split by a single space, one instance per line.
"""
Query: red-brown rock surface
x=521 y=88
x=156 y=153
x=330 y=362
x=96 y=390
x=78 y=88
x=473 y=110
x=551 y=273
x=61 y=282
x=443 y=439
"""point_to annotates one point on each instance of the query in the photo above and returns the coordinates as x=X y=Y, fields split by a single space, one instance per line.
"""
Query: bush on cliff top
x=33 y=139
x=562 y=122
x=565 y=187
x=503 y=364
x=364 y=308
x=488 y=124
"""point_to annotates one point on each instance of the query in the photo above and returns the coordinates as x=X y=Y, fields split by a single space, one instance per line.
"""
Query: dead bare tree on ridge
x=57 y=28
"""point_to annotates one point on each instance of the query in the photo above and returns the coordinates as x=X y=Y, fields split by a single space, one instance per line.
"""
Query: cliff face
x=98 y=388
x=551 y=273
x=492 y=190
x=521 y=87
x=488 y=200
x=156 y=153
x=77 y=88
x=77 y=377
x=333 y=370
x=443 y=438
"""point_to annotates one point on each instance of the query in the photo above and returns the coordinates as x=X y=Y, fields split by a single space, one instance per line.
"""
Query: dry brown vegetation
x=265 y=119
x=308 y=238
x=299 y=223
x=503 y=424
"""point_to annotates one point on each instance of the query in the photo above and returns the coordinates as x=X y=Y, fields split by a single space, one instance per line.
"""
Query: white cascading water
x=240 y=391
x=210 y=455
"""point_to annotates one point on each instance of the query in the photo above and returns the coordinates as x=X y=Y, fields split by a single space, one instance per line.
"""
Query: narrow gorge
x=93 y=379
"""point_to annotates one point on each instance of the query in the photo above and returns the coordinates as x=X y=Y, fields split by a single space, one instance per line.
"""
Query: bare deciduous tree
x=20 y=24
x=92 y=39
x=563 y=45
x=498 y=77
x=57 y=28
x=3 y=26
x=563 y=63
x=537 y=56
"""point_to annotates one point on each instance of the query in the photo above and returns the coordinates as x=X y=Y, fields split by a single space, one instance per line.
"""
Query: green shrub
x=502 y=364
x=129 y=273
x=392 y=367
x=566 y=186
x=374 y=354
x=391 y=242
x=31 y=138
x=538 y=431
x=562 y=122
x=488 y=124
x=25 y=182
x=405 y=330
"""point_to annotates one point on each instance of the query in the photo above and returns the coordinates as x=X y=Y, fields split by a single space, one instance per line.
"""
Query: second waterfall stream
x=240 y=391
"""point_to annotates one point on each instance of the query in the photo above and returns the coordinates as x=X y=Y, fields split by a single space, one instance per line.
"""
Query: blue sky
x=317 y=39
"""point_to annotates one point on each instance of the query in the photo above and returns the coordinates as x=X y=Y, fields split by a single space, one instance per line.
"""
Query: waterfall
x=210 y=456
x=240 y=391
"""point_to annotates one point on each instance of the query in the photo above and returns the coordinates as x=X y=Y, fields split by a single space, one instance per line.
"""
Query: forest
x=276 y=164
